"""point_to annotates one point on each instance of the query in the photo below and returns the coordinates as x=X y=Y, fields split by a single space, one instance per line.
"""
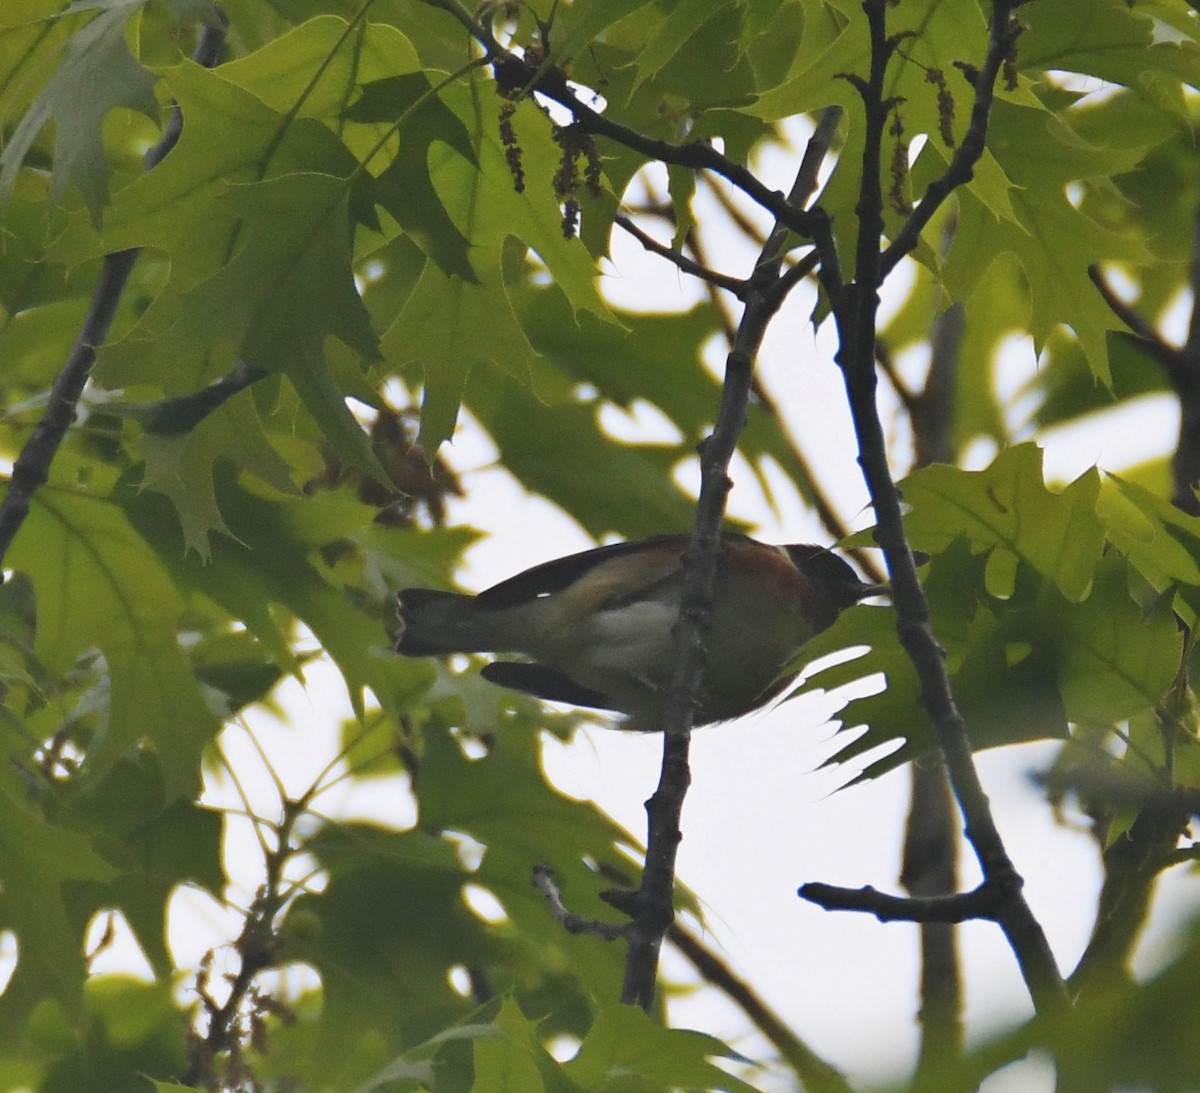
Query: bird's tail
x=433 y=623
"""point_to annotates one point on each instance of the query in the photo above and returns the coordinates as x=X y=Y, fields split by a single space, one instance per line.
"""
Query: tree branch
x=654 y=903
x=1132 y=866
x=256 y=946
x=1170 y=357
x=984 y=902
x=32 y=467
x=855 y=310
x=182 y=413
x=811 y=489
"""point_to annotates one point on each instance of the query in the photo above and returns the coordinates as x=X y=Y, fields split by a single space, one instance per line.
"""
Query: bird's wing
x=543 y=682
x=659 y=557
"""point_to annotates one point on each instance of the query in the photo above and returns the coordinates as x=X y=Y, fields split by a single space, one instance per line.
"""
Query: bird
x=596 y=628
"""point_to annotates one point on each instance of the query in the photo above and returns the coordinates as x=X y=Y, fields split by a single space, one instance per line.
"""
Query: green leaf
x=1001 y=666
x=1007 y=512
x=550 y=439
x=1055 y=243
x=509 y=1064
x=37 y=860
x=311 y=70
x=935 y=36
x=405 y=187
x=680 y=24
x=438 y=326
x=288 y=288
x=99 y=585
x=1122 y=1033
x=390 y=925
x=97 y=73
x=1117 y=660
x=181 y=466
x=134 y=1029
x=184 y=206
x=655 y=358
x=439 y=331
x=272 y=561
x=424 y=1064
x=1020 y=667
x=580 y=24
x=626 y=1045
x=1162 y=541
x=155 y=849
x=1065 y=388
x=1114 y=42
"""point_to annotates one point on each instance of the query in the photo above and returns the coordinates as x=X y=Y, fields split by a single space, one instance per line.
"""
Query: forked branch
x=855 y=309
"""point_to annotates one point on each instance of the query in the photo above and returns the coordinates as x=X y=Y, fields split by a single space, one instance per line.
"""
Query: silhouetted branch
x=654 y=905
x=1132 y=866
x=1170 y=357
x=1182 y=368
x=983 y=902
x=182 y=413
x=931 y=842
x=855 y=311
x=731 y=284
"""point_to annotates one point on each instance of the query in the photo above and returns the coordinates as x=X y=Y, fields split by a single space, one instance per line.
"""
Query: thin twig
x=826 y=512
x=698 y=155
x=1168 y=355
x=1182 y=368
x=182 y=413
x=805 y=183
x=256 y=947
x=32 y=467
x=543 y=881
x=731 y=284
x=984 y=902
x=736 y=214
